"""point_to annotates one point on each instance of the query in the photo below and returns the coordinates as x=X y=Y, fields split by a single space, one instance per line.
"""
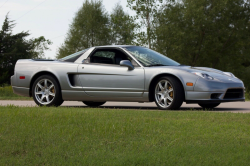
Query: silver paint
x=103 y=82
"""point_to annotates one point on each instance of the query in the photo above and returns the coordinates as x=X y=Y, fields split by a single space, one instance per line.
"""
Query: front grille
x=234 y=94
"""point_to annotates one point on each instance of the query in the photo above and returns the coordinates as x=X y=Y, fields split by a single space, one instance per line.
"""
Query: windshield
x=148 y=57
x=73 y=57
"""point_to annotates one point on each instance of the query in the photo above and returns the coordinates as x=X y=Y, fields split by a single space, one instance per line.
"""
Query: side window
x=110 y=56
x=106 y=57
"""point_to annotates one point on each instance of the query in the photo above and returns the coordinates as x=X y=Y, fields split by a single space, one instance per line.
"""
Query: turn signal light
x=22 y=77
x=189 y=84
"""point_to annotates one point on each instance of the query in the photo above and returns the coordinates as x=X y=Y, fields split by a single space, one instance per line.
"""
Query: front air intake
x=215 y=95
x=234 y=94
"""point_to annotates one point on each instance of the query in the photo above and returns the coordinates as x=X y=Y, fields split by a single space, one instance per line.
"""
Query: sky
x=48 y=18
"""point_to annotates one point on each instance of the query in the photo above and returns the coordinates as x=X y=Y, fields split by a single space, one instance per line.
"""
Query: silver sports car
x=123 y=73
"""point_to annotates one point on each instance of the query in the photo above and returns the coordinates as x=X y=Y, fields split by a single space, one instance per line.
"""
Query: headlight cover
x=204 y=75
x=229 y=74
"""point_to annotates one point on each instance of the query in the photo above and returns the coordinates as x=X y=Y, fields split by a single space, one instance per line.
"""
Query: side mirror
x=86 y=60
x=127 y=63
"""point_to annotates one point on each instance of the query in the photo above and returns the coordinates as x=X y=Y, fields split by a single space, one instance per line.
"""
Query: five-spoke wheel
x=168 y=93
x=46 y=91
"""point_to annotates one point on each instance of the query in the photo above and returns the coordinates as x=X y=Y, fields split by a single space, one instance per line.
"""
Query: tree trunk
x=148 y=29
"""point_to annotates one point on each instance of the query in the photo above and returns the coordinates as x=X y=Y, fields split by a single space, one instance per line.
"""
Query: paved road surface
x=243 y=107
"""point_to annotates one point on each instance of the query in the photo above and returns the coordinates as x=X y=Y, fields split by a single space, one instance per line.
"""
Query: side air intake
x=73 y=79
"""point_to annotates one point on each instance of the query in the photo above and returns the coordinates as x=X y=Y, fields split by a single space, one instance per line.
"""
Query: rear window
x=73 y=57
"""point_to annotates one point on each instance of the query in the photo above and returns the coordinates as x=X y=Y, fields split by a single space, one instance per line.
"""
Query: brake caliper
x=171 y=93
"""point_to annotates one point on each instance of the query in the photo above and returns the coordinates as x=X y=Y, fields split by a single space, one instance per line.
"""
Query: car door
x=102 y=76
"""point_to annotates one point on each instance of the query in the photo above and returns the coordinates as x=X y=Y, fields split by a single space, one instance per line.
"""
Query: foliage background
x=16 y=46
x=193 y=32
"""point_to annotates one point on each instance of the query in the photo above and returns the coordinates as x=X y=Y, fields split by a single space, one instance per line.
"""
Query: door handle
x=83 y=67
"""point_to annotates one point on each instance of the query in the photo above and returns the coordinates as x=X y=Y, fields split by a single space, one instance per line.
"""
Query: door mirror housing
x=86 y=60
x=127 y=63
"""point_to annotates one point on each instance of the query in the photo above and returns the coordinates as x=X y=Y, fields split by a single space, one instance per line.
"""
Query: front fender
x=183 y=76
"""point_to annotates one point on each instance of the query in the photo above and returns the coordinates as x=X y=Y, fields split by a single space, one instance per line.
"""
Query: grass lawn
x=96 y=136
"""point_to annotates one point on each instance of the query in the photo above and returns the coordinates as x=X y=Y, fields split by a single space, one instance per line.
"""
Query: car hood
x=207 y=70
x=217 y=74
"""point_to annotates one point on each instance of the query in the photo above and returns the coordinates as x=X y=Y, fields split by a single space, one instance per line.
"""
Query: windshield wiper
x=158 y=64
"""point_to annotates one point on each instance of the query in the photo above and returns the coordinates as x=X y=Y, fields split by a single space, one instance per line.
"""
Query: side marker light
x=189 y=84
x=22 y=77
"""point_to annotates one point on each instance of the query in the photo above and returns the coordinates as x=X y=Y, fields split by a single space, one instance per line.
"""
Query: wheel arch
x=35 y=76
x=153 y=81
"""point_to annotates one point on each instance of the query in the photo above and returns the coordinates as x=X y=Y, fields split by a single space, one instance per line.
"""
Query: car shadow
x=156 y=109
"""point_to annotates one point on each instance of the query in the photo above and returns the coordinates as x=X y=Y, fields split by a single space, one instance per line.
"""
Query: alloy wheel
x=45 y=91
x=164 y=93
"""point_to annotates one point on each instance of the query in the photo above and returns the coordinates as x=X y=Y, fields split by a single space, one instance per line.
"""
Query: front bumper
x=216 y=92
x=207 y=97
x=212 y=101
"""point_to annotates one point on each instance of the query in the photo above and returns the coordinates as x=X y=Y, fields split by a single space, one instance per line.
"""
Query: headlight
x=229 y=74
x=204 y=75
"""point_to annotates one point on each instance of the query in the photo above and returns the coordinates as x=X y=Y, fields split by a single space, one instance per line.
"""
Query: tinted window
x=109 y=56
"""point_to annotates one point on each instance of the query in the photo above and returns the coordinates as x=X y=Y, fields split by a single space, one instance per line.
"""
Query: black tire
x=178 y=95
x=93 y=103
x=57 y=98
x=209 y=106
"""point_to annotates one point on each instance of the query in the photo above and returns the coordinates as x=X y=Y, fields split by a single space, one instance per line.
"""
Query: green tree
x=89 y=28
x=146 y=11
x=122 y=26
x=207 y=33
x=15 y=46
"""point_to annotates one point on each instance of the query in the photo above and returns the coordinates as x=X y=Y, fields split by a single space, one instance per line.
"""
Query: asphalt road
x=242 y=107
